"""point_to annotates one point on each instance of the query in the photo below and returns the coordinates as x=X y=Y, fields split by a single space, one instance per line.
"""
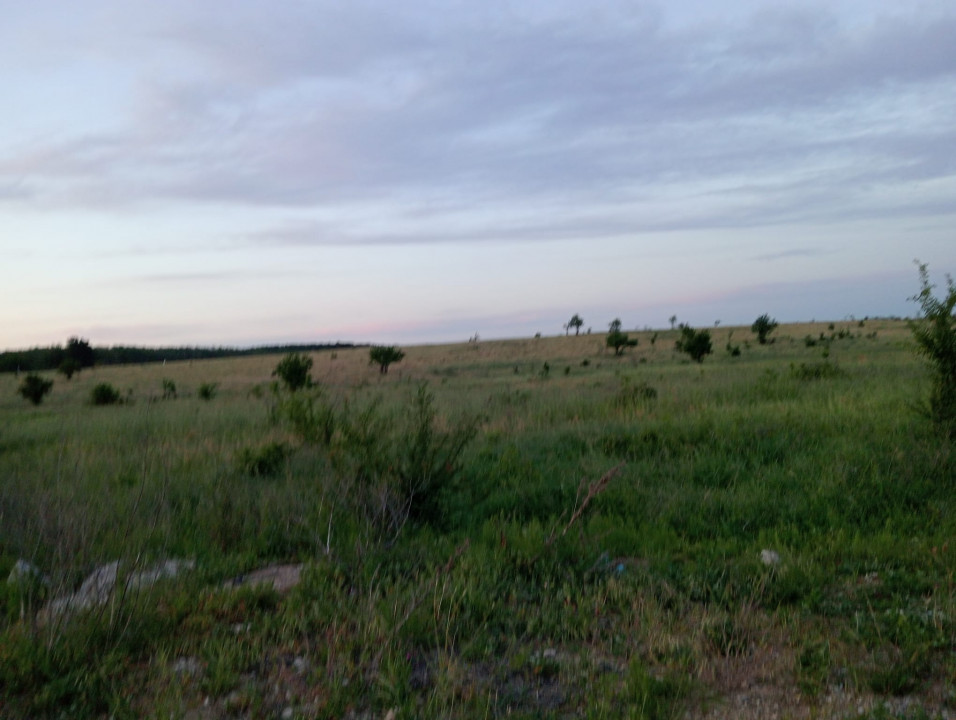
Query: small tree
x=695 y=343
x=575 y=322
x=762 y=327
x=81 y=352
x=293 y=371
x=935 y=335
x=617 y=339
x=34 y=388
x=672 y=319
x=384 y=355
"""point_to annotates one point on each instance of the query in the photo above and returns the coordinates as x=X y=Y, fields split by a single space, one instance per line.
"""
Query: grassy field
x=523 y=528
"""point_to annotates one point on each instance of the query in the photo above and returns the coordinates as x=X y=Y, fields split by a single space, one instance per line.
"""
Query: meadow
x=517 y=528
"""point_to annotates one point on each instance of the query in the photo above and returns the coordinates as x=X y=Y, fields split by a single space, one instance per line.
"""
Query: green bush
x=68 y=368
x=695 y=343
x=105 y=394
x=293 y=371
x=400 y=468
x=34 y=388
x=935 y=335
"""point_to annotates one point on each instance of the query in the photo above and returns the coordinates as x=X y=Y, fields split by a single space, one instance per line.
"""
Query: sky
x=249 y=172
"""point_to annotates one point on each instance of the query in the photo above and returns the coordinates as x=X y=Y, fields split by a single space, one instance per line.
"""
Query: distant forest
x=78 y=353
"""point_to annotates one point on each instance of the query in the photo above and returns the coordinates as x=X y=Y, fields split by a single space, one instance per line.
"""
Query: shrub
x=695 y=343
x=429 y=458
x=207 y=391
x=935 y=335
x=34 y=388
x=401 y=466
x=169 y=389
x=293 y=371
x=68 y=368
x=105 y=394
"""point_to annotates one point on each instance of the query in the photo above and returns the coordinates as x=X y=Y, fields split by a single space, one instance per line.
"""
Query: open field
x=482 y=537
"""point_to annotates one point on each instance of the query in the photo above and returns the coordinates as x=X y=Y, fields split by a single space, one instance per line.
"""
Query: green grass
x=456 y=565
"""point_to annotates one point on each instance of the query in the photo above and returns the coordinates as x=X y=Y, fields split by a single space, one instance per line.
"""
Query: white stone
x=26 y=571
x=101 y=583
x=770 y=558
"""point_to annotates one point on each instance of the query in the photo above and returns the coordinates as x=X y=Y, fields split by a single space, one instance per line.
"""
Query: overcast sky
x=251 y=172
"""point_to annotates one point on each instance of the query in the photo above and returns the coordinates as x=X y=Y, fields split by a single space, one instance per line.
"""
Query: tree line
x=77 y=354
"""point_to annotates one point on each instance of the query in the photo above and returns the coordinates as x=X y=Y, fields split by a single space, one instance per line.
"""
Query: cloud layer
x=245 y=128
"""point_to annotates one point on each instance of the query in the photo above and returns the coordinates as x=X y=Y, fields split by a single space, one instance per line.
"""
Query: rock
x=187 y=666
x=281 y=577
x=101 y=583
x=25 y=572
x=167 y=569
x=95 y=590
x=770 y=558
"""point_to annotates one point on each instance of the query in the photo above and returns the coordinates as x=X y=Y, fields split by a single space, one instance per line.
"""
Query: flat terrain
x=521 y=528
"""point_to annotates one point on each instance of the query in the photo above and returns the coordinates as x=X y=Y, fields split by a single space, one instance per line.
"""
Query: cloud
x=783 y=115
